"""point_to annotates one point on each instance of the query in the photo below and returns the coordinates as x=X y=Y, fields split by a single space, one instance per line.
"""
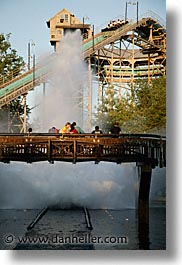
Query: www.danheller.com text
x=58 y=239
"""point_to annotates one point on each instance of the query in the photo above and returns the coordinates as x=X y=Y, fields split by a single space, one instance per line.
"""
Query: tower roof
x=62 y=11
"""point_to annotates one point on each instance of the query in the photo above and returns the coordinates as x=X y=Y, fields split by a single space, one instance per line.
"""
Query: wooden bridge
x=148 y=151
x=139 y=148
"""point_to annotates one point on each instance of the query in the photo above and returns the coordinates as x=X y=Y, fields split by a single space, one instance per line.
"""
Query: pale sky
x=26 y=19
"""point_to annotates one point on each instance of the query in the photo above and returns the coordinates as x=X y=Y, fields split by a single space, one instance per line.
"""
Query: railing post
x=161 y=160
x=74 y=151
x=49 y=150
x=0 y=151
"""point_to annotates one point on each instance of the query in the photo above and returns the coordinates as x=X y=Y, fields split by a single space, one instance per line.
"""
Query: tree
x=11 y=65
x=106 y=107
x=10 y=62
x=151 y=103
x=141 y=111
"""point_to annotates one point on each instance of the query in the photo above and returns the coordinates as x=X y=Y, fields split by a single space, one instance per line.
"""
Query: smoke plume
x=38 y=185
x=68 y=81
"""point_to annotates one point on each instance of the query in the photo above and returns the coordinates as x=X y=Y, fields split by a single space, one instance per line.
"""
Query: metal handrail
x=11 y=76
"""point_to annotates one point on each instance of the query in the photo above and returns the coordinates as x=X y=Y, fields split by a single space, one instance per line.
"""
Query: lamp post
x=137 y=12
x=33 y=70
x=31 y=55
x=93 y=33
x=31 y=46
x=126 y=8
x=83 y=27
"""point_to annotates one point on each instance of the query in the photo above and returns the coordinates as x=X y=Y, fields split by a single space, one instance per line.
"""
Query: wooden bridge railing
x=83 y=147
x=148 y=151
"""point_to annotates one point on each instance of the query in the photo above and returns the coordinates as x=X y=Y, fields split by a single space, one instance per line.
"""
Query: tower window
x=62 y=19
x=66 y=17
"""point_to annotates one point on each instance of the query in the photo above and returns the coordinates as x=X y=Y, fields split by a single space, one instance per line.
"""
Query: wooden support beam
x=74 y=151
x=143 y=206
x=49 y=150
x=144 y=189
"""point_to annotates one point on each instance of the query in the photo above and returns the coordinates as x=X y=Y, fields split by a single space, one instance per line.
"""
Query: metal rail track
x=45 y=210
x=88 y=218
x=37 y=218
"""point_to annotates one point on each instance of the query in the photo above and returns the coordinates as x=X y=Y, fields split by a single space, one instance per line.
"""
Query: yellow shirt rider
x=66 y=128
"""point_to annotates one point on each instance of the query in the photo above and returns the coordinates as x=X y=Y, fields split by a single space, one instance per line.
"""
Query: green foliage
x=10 y=62
x=151 y=103
x=11 y=65
x=17 y=105
x=106 y=108
x=140 y=110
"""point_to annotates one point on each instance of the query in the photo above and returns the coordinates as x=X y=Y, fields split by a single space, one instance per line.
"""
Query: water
x=59 y=224
x=67 y=89
x=37 y=185
x=108 y=190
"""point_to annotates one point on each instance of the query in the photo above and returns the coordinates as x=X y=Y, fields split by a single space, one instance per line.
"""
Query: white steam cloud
x=68 y=81
x=30 y=186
